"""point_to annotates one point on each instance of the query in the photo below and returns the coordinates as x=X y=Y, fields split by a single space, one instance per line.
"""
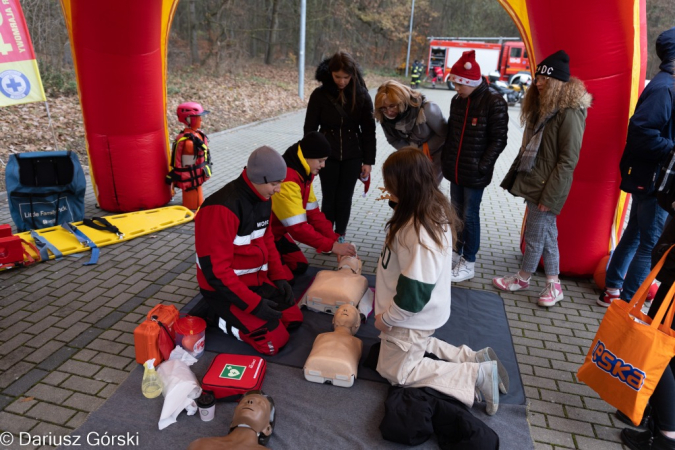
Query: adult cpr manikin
x=335 y=355
x=251 y=427
x=346 y=285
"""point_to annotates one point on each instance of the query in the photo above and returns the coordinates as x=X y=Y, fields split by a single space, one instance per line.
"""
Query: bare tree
x=271 y=37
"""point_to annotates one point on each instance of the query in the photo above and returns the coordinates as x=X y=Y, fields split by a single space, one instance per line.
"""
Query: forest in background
x=223 y=36
x=239 y=57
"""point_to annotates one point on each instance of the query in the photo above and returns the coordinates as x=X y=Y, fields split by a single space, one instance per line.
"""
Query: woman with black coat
x=342 y=110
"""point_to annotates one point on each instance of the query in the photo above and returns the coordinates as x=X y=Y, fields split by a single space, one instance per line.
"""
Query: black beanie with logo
x=555 y=66
x=315 y=145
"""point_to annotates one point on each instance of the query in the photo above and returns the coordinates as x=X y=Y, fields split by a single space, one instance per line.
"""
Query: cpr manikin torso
x=332 y=288
x=251 y=426
x=335 y=355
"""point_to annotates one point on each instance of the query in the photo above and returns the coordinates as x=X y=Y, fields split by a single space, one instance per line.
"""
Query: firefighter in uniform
x=239 y=270
x=295 y=210
x=416 y=74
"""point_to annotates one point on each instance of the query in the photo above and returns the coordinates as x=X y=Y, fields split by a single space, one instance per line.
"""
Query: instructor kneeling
x=239 y=270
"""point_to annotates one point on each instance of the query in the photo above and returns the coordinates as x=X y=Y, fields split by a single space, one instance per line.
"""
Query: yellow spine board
x=132 y=225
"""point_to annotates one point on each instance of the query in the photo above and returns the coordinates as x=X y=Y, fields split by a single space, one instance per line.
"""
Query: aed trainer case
x=146 y=335
x=230 y=376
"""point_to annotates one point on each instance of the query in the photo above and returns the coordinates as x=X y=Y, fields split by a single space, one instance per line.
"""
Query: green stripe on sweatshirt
x=412 y=295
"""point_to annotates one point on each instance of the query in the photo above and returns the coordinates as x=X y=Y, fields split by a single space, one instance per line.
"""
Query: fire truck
x=507 y=56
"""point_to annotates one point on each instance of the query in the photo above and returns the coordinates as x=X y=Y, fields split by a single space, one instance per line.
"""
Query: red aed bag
x=229 y=376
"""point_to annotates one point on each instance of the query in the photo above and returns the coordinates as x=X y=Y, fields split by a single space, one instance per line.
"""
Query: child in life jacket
x=190 y=164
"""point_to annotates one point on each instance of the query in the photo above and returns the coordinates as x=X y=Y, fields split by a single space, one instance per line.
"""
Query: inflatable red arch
x=119 y=48
x=607 y=44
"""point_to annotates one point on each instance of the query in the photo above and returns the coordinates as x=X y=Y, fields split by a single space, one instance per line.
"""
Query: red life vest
x=188 y=172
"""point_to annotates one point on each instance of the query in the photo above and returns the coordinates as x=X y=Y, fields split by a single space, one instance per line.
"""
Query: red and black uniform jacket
x=295 y=209
x=235 y=246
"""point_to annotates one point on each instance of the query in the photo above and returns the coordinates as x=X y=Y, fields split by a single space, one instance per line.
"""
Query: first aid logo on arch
x=605 y=360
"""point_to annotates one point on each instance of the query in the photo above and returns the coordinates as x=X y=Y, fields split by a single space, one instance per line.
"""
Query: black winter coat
x=350 y=138
x=477 y=129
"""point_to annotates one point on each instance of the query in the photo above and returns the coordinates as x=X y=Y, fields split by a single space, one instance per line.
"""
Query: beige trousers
x=402 y=363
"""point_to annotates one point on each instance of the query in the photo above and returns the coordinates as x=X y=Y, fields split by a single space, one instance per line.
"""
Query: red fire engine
x=506 y=56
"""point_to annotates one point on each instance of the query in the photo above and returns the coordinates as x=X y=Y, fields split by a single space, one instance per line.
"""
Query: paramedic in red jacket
x=239 y=270
x=295 y=210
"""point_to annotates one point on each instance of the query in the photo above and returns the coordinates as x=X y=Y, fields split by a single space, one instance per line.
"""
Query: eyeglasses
x=541 y=79
x=389 y=108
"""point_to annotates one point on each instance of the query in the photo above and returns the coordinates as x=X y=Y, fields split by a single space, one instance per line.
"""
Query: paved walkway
x=66 y=330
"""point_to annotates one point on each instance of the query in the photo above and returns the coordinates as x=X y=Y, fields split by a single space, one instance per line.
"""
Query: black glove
x=285 y=287
x=267 y=310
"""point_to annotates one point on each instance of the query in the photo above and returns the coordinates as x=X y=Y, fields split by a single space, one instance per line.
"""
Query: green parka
x=550 y=180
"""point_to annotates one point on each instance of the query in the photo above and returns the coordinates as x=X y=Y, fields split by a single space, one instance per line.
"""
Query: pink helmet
x=188 y=109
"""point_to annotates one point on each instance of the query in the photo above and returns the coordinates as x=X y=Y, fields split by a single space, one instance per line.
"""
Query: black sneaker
x=637 y=440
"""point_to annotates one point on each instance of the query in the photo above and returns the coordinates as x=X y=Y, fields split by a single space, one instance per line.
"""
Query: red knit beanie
x=466 y=70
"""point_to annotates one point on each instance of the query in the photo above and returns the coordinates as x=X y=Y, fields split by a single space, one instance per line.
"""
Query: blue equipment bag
x=45 y=189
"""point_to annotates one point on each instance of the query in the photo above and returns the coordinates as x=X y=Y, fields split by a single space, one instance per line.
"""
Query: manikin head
x=347 y=316
x=266 y=169
x=352 y=263
x=255 y=411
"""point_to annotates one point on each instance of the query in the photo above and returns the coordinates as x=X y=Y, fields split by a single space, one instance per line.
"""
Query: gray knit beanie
x=265 y=165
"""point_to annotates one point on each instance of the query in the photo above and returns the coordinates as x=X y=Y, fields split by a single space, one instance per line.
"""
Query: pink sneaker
x=511 y=283
x=551 y=294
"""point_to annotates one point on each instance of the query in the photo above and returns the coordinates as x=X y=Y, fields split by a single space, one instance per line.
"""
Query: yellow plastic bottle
x=152 y=384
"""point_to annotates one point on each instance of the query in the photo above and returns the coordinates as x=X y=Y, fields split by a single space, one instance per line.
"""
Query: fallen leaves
x=234 y=100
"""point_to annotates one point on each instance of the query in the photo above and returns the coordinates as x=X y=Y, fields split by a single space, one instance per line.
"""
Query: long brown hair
x=343 y=61
x=409 y=175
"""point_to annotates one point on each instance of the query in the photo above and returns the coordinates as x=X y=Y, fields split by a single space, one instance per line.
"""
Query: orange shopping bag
x=630 y=351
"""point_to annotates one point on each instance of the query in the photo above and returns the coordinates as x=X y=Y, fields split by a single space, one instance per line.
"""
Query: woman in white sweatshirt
x=412 y=293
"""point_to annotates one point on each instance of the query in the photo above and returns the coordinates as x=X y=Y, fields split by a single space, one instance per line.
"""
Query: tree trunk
x=194 y=49
x=271 y=37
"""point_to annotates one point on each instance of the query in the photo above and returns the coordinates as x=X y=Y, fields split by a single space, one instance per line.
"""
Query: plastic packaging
x=181 y=387
x=152 y=384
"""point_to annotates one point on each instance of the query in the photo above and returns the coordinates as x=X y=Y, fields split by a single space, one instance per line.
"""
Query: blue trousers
x=631 y=259
x=466 y=202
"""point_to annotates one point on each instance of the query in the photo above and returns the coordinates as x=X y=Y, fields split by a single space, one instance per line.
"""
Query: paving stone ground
x=66 y=330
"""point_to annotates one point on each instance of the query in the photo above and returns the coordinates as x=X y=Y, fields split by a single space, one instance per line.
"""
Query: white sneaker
x=487 y=384
x=455 y=259
x=464 y=271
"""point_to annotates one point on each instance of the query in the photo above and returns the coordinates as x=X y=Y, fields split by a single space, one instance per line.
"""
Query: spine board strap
x=102 y=225
x=44 y=247
x=85 y=241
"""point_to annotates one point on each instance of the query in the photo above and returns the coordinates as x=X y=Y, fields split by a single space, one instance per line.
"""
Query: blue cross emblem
x=14 y=84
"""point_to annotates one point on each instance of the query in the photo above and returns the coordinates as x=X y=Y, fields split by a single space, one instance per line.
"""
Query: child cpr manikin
x=333 y=288
x=335 y=355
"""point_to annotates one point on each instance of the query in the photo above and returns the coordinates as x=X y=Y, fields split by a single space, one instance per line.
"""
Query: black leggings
x=662 y=400
x=338 y=180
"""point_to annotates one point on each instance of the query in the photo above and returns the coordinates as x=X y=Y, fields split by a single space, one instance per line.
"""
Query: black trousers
x=662 y=400
x=338 y=180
